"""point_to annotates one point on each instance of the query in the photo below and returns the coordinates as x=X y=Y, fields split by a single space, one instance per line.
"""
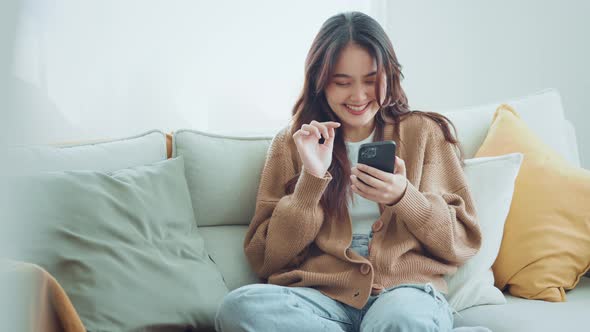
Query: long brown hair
x=334 y=35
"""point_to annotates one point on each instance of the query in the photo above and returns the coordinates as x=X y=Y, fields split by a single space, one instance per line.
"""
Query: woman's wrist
x=317 y=174
x=398 y=199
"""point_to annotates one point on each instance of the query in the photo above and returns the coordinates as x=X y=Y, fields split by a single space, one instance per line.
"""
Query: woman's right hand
x=316 y=157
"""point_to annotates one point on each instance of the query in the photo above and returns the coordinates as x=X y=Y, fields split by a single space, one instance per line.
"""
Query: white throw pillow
x=542 y=111
x=491 y=181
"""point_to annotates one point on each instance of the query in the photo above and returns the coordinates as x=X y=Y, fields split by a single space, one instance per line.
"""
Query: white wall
x=464 y=52
x=110 y=68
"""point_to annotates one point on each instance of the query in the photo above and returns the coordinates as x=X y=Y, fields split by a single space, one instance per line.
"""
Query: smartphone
x=380 y=155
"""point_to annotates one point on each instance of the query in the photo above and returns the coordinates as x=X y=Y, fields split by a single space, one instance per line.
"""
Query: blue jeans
x=264 y=307
x=360 y=243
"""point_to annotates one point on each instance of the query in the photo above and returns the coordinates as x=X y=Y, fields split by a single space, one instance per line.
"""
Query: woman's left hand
x=379 y=186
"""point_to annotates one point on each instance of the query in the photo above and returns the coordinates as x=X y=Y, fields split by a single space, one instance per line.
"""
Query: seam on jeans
x=333 y=319
x=441 y=303
x=450 y=309
x=444 y=304
x=317 y=313
x=438 y=312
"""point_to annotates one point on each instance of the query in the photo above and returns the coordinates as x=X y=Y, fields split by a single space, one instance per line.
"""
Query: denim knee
x=408 y=308
x=233 y=312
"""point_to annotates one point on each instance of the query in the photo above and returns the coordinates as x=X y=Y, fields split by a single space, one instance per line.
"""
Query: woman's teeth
x=356 y=108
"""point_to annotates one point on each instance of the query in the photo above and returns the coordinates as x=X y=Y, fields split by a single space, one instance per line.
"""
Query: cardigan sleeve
x=33 y=300
x=441 y=213
x=284 y=224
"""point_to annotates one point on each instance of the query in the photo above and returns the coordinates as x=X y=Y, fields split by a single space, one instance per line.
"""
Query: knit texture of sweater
x=428 y=234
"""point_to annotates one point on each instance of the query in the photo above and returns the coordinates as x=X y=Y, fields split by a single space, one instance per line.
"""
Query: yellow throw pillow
x=546 y=244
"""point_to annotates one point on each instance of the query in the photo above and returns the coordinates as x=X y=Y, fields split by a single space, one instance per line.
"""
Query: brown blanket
x=32 y=300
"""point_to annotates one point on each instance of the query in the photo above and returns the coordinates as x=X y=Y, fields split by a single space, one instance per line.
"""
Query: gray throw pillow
x=124 y=245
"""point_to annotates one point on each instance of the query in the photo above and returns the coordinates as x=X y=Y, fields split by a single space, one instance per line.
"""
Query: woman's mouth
x=357 y=109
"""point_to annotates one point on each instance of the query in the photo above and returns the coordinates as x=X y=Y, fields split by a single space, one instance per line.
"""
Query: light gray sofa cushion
x=533 y=315
x=228 y=167
x=106 y=155
x=124 y=245
x=225 y=245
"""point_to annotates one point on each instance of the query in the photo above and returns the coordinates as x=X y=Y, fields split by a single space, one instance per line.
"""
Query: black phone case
x=380 y=155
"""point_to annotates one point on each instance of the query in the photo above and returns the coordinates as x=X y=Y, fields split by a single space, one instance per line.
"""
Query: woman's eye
x=370 y=82
x=341 y=84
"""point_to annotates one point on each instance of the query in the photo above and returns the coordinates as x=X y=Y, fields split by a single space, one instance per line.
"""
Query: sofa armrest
x=32 y=300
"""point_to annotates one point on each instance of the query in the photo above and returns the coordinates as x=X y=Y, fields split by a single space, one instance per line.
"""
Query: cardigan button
x=377 y=226
x=376 y=289
x=365 y=269
x=348 y=252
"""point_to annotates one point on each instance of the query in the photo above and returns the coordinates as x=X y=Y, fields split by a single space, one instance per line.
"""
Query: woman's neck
x=358 y=134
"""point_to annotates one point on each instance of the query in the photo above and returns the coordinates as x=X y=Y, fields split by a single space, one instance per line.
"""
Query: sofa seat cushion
x=225 y=246
x=533 y=315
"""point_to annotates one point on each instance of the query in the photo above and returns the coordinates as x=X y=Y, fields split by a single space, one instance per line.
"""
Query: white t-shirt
x=363 y=212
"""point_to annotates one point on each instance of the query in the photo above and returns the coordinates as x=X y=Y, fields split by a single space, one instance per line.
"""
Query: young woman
x=339 y=254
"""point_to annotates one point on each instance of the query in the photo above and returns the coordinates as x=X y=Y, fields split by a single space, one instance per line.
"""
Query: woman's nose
x=359 y=93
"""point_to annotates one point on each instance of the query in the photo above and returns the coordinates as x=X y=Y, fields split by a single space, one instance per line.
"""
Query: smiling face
x=351 y=92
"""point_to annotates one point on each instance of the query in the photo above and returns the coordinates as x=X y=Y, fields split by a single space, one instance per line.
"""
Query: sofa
x=222 y=174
